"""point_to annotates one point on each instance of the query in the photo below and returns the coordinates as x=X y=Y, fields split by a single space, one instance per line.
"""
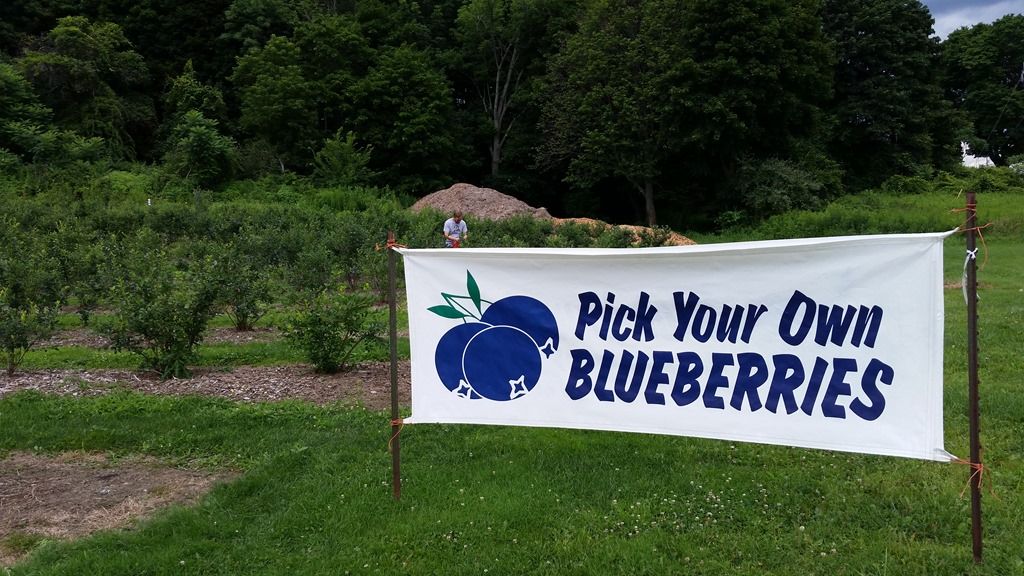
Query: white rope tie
x=971 y=255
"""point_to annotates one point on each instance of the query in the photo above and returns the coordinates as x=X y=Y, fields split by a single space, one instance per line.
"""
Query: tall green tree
x=672 y=95
x=335 y=56
x=403 y=109
x=93 y=80
x=26 y=128
x=278 y=103
x=502 y=50
x=985 y=79
x=186 y=92
x=617 y=98
x=198 y=152
x=249 y=24
x=890 y=116
x=21 y=20
x=168 y=34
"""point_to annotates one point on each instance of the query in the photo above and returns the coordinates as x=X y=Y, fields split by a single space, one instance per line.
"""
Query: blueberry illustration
x=448 y=356
x=529 y=315
x=501 y=363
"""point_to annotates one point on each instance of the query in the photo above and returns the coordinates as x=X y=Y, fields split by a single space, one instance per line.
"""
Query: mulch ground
x=367 y=384
x=72 y=495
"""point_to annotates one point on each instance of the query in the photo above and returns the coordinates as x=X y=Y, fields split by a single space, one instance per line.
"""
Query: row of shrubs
x=166 y=264
x=165 y=267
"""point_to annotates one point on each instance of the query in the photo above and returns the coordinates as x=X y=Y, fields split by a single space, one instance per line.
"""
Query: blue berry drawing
x=498 y=349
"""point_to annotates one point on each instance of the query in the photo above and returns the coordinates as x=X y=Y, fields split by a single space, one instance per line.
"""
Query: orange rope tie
x=979 y=472
x=401 y=424
x=388 y=246
x=978 y=229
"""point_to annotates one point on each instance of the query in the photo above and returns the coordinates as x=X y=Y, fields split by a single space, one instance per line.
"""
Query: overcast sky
x=952 y=14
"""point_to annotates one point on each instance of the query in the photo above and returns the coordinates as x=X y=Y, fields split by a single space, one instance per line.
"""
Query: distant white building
x=974 y=161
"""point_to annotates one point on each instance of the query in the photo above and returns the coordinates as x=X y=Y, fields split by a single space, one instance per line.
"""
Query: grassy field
x=315 y=495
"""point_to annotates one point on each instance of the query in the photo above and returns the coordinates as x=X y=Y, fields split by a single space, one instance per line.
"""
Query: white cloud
x=949 y=19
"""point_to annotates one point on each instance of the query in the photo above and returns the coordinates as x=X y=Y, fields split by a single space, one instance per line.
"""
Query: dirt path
x=368 y=384
x=73 y=495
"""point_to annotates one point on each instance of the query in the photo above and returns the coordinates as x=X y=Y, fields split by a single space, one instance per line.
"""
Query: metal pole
x=396 y=427
x=972 y=374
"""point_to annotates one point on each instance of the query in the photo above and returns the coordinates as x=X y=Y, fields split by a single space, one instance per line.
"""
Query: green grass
x=315 y=497
x=879 y=212
x=20 y=543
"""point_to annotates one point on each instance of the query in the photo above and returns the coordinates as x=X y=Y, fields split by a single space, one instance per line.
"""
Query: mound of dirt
x=674 y=238
x=485 y=203
x=489 y=204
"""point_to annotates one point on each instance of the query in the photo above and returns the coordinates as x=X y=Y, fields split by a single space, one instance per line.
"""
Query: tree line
x=694 y=113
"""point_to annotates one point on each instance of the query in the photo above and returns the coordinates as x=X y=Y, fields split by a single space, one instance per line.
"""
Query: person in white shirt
x=455 y=231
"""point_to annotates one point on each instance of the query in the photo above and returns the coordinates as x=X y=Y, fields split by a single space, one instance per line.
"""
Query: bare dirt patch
x=75 y=337
x=367 y=384
x=75 y=494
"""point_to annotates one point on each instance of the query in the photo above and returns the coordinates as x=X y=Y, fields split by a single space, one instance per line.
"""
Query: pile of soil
x=674 y=238
x=485 y=203
x=489 y=204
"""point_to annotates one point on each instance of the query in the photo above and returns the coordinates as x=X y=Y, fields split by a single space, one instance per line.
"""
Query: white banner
x=831 y=343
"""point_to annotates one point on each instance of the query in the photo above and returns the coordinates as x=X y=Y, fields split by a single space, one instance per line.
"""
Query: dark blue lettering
x=643 y=328
x=684 y=312
x=869 y=320
x=579 y=383
x=835 y=323
x=622 y=374
x=798 y=300
x=814 y=386
x=600 y=386
x=607 y=316
x=788 y=376
x=753 y=313
x=877 y=371
x=657 y=378
x=837 y=386
x=590 y=313
x=704 y=323
x=729 y=325
x=751 y=374
x=625 y=312
x=686 y=389
x=716 y=380
x=630 y=394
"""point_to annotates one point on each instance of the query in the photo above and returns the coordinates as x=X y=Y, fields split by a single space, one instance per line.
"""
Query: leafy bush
x=330 y=328
x=78 y=256
x=774 y=186
x=161 y=312
x=198 y=152
x=574 y=235
x=22 y=325
x=29 y=292
x=341 y=163
x=1016 y=164
x=244 y=287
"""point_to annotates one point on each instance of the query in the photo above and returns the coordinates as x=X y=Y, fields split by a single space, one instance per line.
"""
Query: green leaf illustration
x=446 y=312
x=474 y=290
